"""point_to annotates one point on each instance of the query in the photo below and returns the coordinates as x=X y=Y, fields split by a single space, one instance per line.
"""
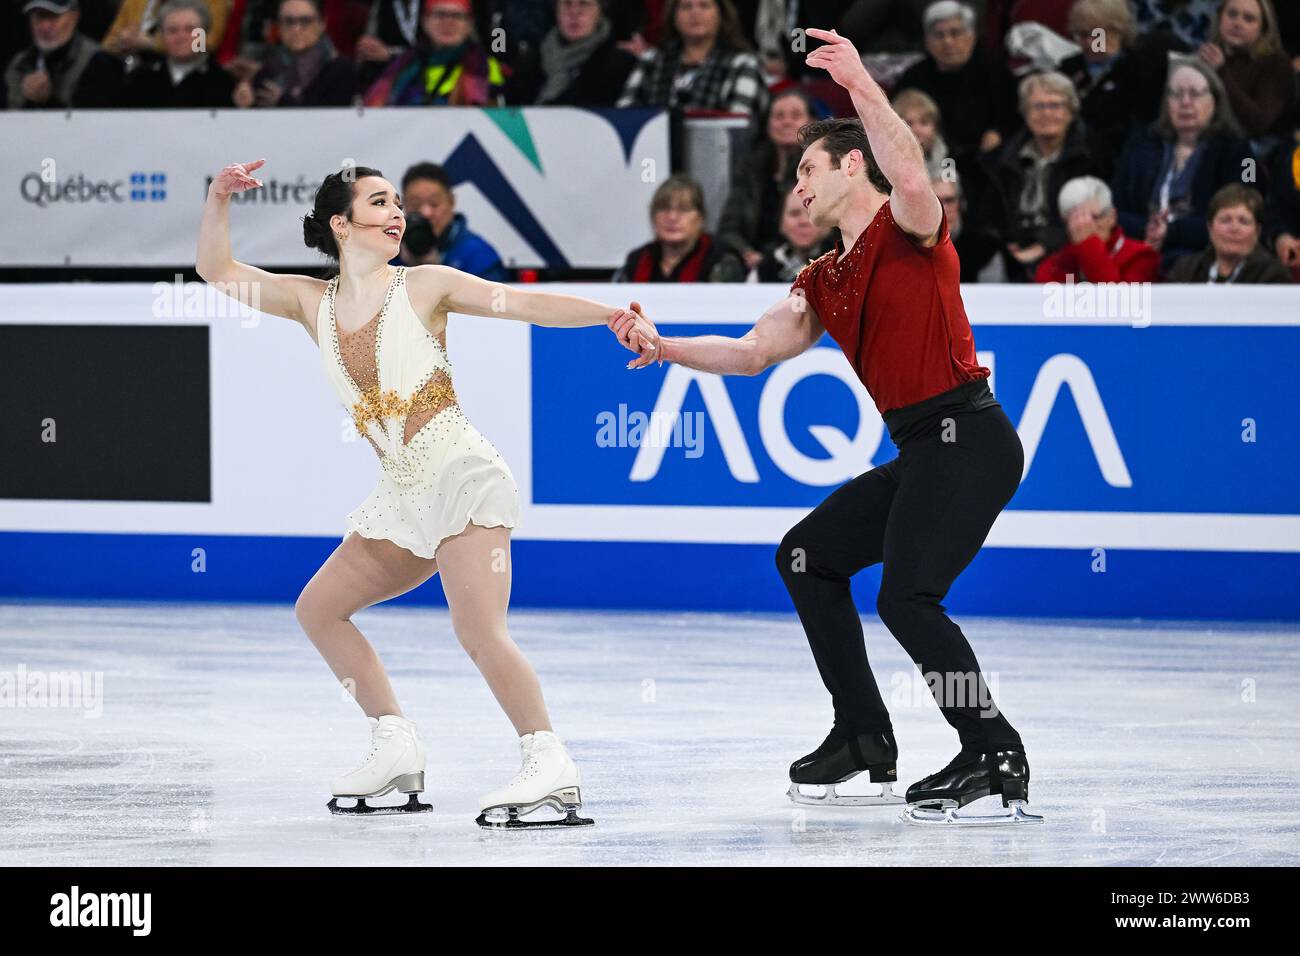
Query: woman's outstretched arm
x=285 y=295
x=447 y=289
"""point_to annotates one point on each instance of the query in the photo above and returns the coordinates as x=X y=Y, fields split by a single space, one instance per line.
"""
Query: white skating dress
x=439 y=474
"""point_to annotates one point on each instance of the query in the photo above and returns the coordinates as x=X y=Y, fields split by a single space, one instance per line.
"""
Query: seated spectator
x=681 y=250
x=522 y=25
x=1247 y=52
x=1119 y=76
x=976 y=253
x=1168 y=173
x=183 y=78
x=1026 y=175
x=446 y=67
x=577 y=64
x=801 y=242
x=138 y=28
x=975 y=93
x=1234 y=253
x=1189 y=20
x=1097 y=249
x=703 y=64
x=761 y=178
x=921 y=114
x=393 y=29
x=303 y=69
x=436 y=233
x=63 y=68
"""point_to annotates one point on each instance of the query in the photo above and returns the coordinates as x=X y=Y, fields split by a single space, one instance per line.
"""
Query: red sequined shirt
x=895 y=309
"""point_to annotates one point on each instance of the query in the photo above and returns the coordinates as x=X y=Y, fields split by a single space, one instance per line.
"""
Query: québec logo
x=847 y=453
x=148 y=187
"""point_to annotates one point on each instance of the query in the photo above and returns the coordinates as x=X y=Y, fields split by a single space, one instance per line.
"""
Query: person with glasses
x=446 y=67
x=304 y=68
x=1018 y=208
x=185 y=78
x=1119 y=75
x=1168 y=173
x=578 y=63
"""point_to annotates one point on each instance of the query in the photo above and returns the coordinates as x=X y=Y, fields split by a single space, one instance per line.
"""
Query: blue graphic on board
x=1155 y=419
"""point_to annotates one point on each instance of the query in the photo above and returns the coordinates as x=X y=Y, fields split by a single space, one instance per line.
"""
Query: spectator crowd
x=1099 y=140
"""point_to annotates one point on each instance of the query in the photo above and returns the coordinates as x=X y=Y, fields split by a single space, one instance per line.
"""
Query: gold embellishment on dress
x=375 y=406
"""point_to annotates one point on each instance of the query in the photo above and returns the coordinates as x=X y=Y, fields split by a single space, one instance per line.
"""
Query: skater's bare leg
x=475 y=568
x=361 y=572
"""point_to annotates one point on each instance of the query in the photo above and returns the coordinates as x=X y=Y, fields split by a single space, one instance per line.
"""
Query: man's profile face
x=821 y=184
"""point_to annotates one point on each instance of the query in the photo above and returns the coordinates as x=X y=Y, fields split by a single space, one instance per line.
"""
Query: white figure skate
x=548 y=778
x=395 y=762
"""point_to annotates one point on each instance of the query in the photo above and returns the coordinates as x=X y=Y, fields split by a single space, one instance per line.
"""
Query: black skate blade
x=412 y=805
x=514 y=822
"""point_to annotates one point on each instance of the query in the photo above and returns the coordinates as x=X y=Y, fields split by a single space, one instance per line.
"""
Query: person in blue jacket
x=436 y=233
x=1168 y=173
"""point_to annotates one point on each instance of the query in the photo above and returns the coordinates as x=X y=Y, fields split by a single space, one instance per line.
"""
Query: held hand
x=236 y=178
x=839 y=57
x=637 y=333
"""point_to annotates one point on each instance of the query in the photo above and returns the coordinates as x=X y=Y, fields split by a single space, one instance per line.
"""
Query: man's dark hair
x=431 y=171
x=839 y=137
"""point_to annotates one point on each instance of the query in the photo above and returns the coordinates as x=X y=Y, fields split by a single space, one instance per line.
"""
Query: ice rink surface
x=1151 y=744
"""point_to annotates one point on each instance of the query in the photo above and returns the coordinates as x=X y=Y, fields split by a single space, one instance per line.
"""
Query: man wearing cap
x=63 y=69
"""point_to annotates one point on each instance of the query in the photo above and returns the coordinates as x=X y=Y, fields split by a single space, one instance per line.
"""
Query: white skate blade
x=948 y=815
x=832 y=798
x=511 y=816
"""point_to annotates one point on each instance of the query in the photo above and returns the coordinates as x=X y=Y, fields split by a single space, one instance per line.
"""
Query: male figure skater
x=889 y=296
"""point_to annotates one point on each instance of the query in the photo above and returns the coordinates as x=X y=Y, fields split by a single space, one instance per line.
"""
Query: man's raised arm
x=913 y=203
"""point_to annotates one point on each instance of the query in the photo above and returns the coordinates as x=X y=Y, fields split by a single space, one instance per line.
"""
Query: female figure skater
x=446 y=500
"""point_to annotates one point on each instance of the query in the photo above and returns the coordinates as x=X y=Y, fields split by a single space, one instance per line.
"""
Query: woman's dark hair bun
x=333 y=198
x=317 y=235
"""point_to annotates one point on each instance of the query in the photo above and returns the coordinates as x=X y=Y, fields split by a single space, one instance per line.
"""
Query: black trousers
x=925 y=515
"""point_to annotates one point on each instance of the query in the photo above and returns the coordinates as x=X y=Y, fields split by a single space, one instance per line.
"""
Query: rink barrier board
x=1134 y=430
x=1173 y=585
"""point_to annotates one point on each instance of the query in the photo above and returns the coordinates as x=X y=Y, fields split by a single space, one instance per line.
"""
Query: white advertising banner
x=547 y=187
x=1112 y=459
